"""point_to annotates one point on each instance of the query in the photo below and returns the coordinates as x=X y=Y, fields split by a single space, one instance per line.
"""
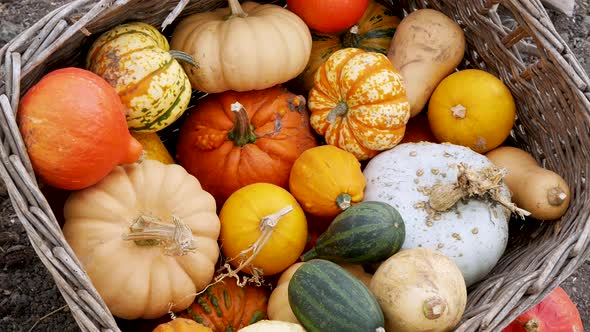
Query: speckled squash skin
x=473 y=233
x=359 y=103
x=134 y=58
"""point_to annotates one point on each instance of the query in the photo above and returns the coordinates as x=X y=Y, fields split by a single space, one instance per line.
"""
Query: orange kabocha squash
x=359 y=102
x=233 y=139
x=226 y=306
x=182 y=325
x=73 y=125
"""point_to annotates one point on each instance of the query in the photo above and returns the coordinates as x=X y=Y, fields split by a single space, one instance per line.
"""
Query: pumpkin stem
x=176 y=239
x=482 y=183
x=236 y=9
x=343 y=201
x=183 y=57
x=556 y=196
x=243 y=131
x=434 y=307
x=459 y=111
x=351 y=38
x=339 y=110
x=532 y=325
x=379 y=329
x=267 y=226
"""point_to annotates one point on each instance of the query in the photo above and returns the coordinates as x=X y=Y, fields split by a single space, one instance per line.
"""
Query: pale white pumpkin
x=474 y=233
x=420 y=290
x=272 y=326
x=146 y=235
x=244 y=47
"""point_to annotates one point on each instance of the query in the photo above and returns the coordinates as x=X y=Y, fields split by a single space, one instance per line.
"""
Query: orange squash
x=326 y=180
x=359 y=103
x=263 y=229
x=226 y=306
x=418 y=130
x=233 y=139
x=472 y=108
x=182 y=325
x=73 y=125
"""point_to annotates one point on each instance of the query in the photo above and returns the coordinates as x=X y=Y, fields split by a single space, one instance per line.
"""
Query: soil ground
x=29 y=299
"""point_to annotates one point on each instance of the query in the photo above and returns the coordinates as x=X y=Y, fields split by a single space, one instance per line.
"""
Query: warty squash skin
x=474 y=232
x=227 y=146
x=358 y=102
x=123 y=229
x=73 y=126
x=222 y=43
x=135 y=59
x=226 y=306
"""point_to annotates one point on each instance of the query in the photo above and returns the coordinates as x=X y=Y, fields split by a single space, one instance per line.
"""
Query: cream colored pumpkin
x=272 y=326
x=122 y=231
x=242 y=48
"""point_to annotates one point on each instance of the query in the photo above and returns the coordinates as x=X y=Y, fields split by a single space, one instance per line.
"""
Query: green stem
x=243 y=131
x=343 y=201
x=311 y=254
x=176 y=239
x=351 y=38
x=183 y=57
x=341 y=109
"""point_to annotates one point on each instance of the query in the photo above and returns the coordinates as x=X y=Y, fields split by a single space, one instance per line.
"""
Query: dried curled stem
x=481 y=183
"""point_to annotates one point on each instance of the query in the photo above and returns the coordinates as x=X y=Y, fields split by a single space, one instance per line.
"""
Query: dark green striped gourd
x=367 y=232
x=326 y=298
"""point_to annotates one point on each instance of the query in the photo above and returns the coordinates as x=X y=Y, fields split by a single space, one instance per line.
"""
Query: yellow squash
x=359 y=102
x=153 y=147
x=472 y=108
x=263 y=229
x=135 y=59
x=182 y=325
x=326 y=180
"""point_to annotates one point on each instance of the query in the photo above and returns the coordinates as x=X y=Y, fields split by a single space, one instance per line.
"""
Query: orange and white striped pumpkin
x=358 y=102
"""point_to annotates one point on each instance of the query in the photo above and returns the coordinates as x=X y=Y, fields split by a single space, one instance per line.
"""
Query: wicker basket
x=513 y=39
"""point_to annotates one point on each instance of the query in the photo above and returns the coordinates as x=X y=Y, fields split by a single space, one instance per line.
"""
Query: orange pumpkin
x=418 y=130
x=225 y=306
x=182 y=325
x=358 y=102
x=73 y=125
x=233 y=139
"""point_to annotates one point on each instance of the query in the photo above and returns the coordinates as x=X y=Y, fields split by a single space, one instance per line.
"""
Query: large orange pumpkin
x=358 y=102
x=226 y=306
x=233 y=139
x=73 y=125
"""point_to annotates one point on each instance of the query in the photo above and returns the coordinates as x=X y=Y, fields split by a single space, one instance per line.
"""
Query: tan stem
x=532 y=325
x=267 y=226
x=340 y=110
x=176 y=239
x=459 y=111
x=556 y=196
x=481 y=183
x=434 y=307
x=236 y=9
x=354 y=29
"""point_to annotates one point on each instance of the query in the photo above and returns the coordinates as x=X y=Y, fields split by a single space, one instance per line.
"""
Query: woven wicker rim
x=513 y=39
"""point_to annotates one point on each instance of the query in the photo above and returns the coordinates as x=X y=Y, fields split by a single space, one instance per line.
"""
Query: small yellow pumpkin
x=358 y=102
x=263 y=229
x=182 y=325
x=146 y=234
x=243 y=47
x=153 y=147
x=135 y=59
x=472 y=108
x=326 y=180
